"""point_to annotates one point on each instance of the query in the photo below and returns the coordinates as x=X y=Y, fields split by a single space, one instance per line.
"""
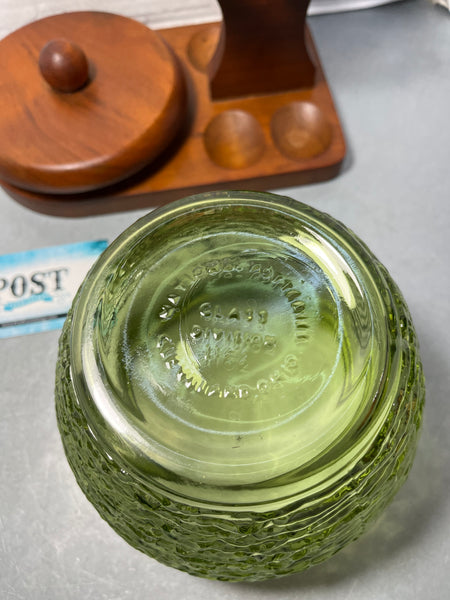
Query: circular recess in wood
x=234 y=139
x=202 y=46
x=125 y=115
x=300 y=130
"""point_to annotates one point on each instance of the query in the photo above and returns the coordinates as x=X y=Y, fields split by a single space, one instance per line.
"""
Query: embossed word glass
x=238 y=386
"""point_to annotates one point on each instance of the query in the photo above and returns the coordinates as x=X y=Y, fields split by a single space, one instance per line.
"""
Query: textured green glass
x=238 y=387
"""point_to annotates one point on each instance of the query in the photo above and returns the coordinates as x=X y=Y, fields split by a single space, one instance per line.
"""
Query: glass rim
x=314 y=478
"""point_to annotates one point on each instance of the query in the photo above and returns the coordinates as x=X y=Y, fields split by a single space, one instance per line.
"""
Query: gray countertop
x=389 y=69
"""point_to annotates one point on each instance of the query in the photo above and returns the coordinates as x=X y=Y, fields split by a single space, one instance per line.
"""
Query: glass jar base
x=238 y=388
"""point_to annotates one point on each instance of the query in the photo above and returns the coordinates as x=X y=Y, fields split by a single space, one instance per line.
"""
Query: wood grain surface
x=214 y=152
x=125 y=116
x=262 y=38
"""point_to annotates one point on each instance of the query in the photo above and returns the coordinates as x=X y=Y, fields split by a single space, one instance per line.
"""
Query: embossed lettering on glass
x=239 y=391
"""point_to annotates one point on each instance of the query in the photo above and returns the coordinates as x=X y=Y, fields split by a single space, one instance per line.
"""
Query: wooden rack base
x=254 y=142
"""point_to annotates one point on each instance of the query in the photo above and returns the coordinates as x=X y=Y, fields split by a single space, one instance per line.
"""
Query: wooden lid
x=127 y=104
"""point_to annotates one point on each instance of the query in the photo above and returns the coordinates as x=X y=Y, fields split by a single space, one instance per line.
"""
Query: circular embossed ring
x=239 y=390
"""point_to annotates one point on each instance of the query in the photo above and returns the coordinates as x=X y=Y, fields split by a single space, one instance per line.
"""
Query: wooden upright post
x=262 y=49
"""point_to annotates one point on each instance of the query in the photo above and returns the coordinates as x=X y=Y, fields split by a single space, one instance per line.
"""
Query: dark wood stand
x=245 y=105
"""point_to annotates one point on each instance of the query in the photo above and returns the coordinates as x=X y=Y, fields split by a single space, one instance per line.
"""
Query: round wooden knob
x=62 y=143
x=64 y=65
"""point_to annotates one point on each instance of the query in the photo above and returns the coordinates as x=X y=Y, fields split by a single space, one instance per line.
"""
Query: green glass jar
x=238 y=388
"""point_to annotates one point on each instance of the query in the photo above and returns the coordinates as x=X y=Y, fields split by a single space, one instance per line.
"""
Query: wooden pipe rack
x=242 y=104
